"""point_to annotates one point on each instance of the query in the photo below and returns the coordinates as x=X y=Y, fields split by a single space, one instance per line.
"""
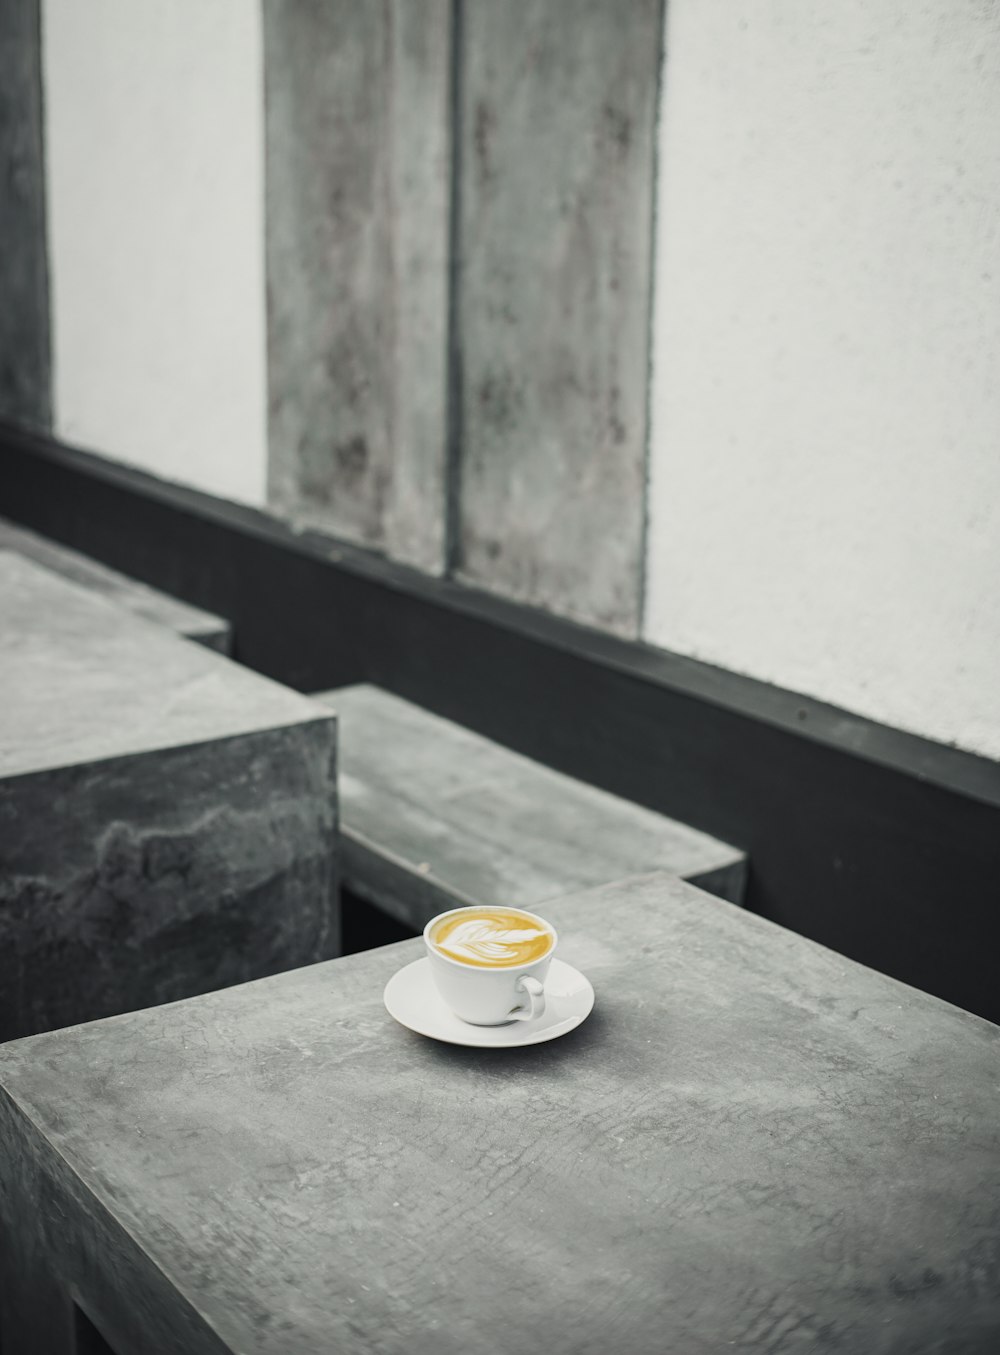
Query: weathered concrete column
x=25 y=360
x=557 y=113
x=358 y=190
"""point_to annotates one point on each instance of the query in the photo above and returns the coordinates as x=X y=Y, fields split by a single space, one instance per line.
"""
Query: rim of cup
x=489 y=908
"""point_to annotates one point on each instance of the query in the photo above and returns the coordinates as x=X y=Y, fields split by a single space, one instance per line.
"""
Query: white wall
x=825 y=462
x=154 y=127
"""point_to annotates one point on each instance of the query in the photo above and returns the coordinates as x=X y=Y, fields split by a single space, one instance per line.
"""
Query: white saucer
x=410 y=997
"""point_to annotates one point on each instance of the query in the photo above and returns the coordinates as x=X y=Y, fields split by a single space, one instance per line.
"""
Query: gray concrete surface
x=358 y=184
x=557 y=122
x=192 y=622
x=434 y=816
x=752 y=1144
x=167 y=818
x=25 y=359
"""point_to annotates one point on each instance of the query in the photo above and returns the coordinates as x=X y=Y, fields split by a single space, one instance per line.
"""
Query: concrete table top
x=204 y=627
x=434 y=816
x=81 y=679
x=167 y=818
x=752 y=1144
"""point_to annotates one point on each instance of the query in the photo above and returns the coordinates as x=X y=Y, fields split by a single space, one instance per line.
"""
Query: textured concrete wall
x=358 y=183
x=557 y=114
x=25 y=365
x=458 y=379
x=825 y=493
x=154 y=129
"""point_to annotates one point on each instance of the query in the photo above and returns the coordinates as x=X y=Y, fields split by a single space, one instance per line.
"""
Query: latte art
x=487 y=943
x=492 y=937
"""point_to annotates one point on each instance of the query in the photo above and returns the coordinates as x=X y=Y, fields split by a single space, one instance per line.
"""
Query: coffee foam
x=492 y=938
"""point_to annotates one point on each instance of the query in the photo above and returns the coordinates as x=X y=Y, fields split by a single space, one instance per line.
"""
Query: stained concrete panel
x=357 y=191
x=557 y=107
x=25 y=364
x=167 y=818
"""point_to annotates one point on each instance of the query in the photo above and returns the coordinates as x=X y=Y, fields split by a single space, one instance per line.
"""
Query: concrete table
x=434 y=816
x=167 y=818
x=191 y=622
x=751 y=1145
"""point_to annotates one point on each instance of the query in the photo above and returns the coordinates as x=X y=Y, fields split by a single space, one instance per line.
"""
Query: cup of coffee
x=489 y=964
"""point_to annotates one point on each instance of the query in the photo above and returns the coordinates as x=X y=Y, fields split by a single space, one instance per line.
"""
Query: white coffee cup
x=490 y=995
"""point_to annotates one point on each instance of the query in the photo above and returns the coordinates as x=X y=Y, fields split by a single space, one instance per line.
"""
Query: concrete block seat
x=434 y=816
x=205 y=628
x=167 y=818
x=752 y=1144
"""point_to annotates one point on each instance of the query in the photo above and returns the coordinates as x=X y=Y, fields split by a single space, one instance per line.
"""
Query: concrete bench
x=752 y=1144
x=208 y=630
x=434 y=816
x=167 y=818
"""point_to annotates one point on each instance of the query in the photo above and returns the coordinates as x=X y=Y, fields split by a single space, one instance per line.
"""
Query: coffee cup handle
x=536 y=999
